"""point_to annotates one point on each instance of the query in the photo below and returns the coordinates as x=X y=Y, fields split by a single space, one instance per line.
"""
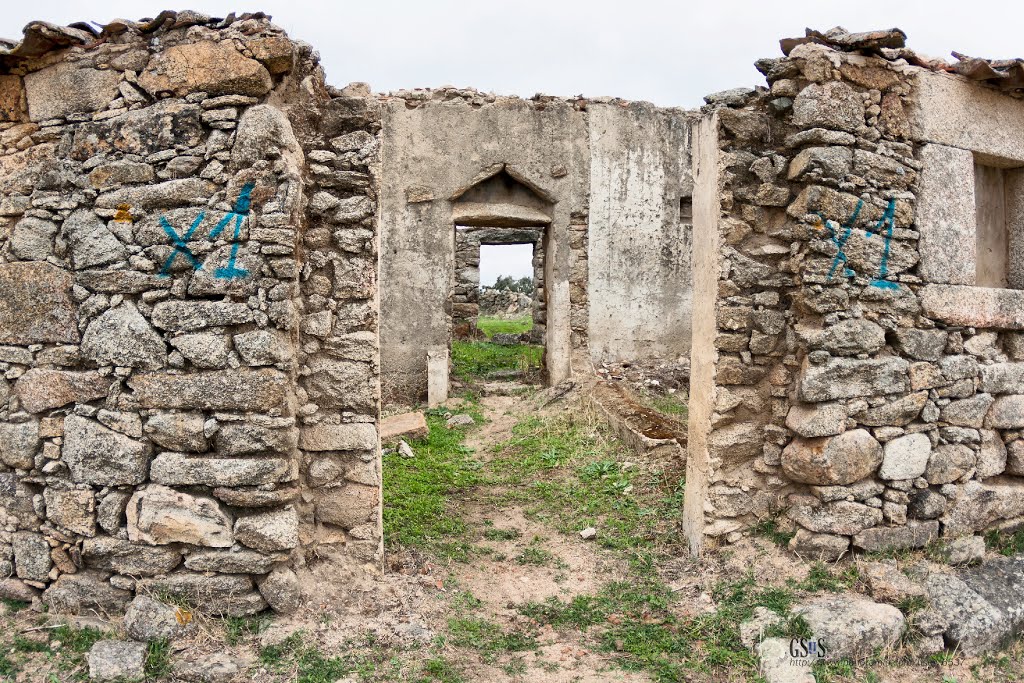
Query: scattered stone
x=178 y=469
x=405 y=450
x=85 y=592
x=121 y=336
x=148 y=619
x=31 y=556
x=948 y=463
x=588 y=534
x=117 y=660
x=220 y=594
x=177 y=431
x=460 y=420
x=205 y=66
x=234 y=561
x=817 y=420
x=778 y=665
x=74 y=510
x=218 y=667
x=850 y=378
x=405 y=425
x=914 y=534
x=19 y=443
x=964 y=550
x=41 y=390
x=842 y=517
x=92 y=243
x=854 y=627
x=752 y=630
x=361 y=436
x=120 y=556
x=242 y=389
x=889 y=584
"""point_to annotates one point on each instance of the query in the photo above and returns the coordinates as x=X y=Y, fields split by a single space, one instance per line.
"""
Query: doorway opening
x=498 y=312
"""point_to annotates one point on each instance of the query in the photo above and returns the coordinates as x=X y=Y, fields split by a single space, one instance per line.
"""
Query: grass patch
x=440 y=670
x=493 y=534
x=583 y=482
x=634 y=619
x=476 y=360
x=669 y=404
x=23 y=644
x=236 y=629
x=306 y=664
x=821 y=578
x=158 y=658
x=419 y=491
x=831 y=672
x=491 y=326
x=535 y=556
x=769 y=528
x=14 y=605
x=489 y=639
x=1005 y=544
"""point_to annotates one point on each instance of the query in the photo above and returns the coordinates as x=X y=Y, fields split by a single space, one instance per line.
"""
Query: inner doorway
x=498 y=309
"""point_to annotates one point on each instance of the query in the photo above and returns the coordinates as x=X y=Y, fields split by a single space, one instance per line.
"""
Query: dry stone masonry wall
x=187 y=327
x=853 y=388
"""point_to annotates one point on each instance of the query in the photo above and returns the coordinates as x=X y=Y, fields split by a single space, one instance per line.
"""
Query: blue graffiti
x=887 y=223
x=238 y=214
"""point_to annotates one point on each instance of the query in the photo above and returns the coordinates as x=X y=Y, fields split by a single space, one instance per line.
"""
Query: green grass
x=491 y=326
x=669 y=404
x=306 y=664
x=535 y=556
x=493 y=534
x=476 y=360
x=633 y=620
x=487 y=638
x=420 y=491
x=568 y=472
x=1005 y=544
x=14 y=605
x=769 y=528
x=821 y=578
x=158 y=659
x=440 y=670
x=238 y=628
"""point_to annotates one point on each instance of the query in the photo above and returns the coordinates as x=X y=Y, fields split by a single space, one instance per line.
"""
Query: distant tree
x=523 y=285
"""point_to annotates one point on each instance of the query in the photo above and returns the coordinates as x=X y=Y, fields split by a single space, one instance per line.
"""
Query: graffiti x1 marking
x=887 y=223
x=238 y=214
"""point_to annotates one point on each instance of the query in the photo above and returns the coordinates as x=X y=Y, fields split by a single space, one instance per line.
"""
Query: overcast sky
x=669 y=53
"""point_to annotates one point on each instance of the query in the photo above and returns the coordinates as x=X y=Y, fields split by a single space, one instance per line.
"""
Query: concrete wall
x=639 y=250
x=433 y=151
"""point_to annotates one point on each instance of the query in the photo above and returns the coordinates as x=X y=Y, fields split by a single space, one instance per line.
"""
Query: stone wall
x=848 y=383
x=616 y=251
x=187 y=320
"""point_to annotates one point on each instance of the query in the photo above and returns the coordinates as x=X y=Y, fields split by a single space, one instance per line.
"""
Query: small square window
x=999 y=235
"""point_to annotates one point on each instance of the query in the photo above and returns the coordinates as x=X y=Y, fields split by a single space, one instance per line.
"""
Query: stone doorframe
x=465 y=299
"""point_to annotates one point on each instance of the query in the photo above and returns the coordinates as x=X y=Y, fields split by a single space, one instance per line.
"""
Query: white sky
x=505 y=259
x=667 y=52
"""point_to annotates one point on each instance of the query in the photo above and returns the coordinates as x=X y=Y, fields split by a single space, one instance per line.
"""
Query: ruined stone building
x=213 y=265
